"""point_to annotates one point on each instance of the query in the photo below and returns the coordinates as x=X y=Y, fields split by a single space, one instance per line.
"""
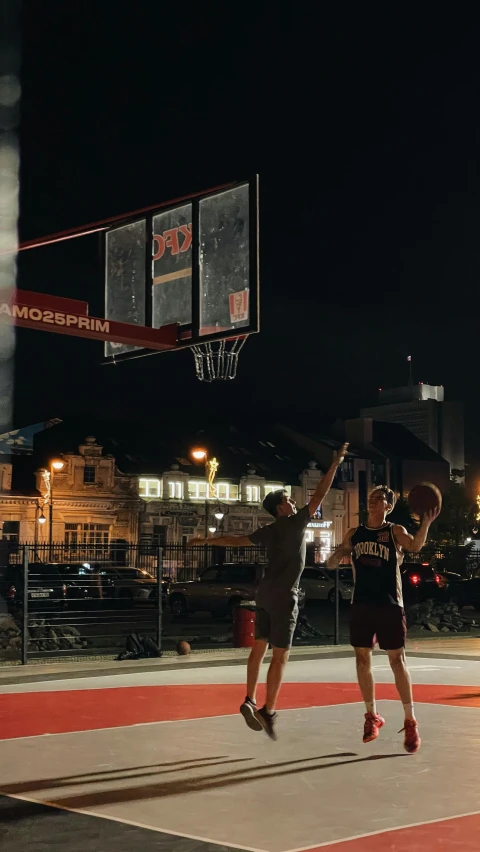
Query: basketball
x=424 y=498
x=183 y=648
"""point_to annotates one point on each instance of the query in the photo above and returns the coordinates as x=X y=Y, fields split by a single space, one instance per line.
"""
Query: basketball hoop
x=217 y=360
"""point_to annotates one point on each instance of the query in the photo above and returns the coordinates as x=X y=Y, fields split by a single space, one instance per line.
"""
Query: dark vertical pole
x=159 y=595
x=196 y=307
x=25 y=606
x=205 y=553
x=336 y=626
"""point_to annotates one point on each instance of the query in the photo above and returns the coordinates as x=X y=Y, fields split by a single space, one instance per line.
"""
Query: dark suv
x=420 y=582
x=46 y=587
x=219 y=590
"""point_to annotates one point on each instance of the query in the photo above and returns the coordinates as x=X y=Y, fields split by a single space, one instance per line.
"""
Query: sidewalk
x=440 y=647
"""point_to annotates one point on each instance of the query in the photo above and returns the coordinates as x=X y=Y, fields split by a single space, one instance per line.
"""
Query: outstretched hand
x=432 y=516
x=341 y=453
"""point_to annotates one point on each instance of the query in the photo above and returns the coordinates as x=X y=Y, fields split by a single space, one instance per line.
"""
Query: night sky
x=363 y=125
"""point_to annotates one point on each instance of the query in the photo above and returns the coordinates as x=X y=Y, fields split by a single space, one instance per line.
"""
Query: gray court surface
x=216 y=781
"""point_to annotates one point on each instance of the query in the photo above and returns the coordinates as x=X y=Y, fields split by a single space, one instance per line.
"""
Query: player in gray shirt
x=277 y=594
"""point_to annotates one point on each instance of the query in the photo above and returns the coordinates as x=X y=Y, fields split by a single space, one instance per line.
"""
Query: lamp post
x=56 y=464
x=211 y=467
x=40 y=519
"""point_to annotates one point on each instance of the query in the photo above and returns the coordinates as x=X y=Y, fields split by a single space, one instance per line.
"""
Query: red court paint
x=459 y=834
x=31 y=714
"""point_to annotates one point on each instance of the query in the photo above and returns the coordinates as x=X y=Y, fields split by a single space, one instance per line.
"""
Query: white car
x=319 y=584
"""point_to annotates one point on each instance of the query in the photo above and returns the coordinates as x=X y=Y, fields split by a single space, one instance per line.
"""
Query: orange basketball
x=424 y=498
x=183 y=648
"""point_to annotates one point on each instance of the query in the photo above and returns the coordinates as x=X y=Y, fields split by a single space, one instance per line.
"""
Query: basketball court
x=162 y=760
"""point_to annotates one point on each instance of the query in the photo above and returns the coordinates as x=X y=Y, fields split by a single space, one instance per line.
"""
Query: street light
x=41 y=518
x=211 y=467
x=55 y=464
x=219 y=515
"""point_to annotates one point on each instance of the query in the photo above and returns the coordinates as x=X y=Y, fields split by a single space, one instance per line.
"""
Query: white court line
x=176 y=721
x=223 y=716
x=381 y=831
x=132 y=823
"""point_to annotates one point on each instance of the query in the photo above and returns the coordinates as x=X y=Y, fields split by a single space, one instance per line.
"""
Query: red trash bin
x=244 y=625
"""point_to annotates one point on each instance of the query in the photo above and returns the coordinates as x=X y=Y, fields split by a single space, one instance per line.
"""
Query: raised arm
x=342 y=551
x=414 y=543
x=326 y=483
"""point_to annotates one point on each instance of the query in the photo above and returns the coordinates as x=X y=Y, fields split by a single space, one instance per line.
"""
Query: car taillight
x=438 y=579
x=415 y=579
x=11 y=592
x=64 y=589
x=425 y=564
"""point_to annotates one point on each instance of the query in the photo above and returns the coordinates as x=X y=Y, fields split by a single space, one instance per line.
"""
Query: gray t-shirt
x=286 y=548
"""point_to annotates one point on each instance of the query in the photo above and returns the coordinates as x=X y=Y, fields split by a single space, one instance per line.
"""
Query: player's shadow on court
x=118 y=774
x=201 y=784
x=462 y=696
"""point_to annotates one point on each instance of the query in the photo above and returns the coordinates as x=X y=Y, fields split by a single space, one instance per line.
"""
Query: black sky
x=363 y=125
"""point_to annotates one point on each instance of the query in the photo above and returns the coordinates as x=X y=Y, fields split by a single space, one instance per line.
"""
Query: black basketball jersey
x=376 y=566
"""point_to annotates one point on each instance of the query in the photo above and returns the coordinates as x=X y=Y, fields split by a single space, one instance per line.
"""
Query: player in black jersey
x=377 y=614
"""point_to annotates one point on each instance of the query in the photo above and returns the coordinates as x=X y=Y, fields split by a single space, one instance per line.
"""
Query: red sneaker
x=373 y=723
x=412 y=740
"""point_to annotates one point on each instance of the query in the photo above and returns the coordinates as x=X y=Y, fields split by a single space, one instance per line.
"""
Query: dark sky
x=364 y=128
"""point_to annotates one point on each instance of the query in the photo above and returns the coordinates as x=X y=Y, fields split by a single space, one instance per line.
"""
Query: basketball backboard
x=193 y=262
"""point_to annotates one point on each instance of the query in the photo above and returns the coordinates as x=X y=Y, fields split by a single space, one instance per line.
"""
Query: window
x=11 y=530
x=175 y=490
x=309 y=535
x=348 y=473
x=89 y=474
x=310 y=493
x=379 y=473
x=209 y=576
x=150 y=487
x=237 y=574
x=78 y=534
x=197 y=490
x=311 y=574
x=227 y=491
x=278 y=487
x=159 y=538
x=253 y=494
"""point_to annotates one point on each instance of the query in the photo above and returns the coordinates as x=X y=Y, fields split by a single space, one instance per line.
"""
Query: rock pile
x=437 y=617
x=10 y=635
x=43 y=637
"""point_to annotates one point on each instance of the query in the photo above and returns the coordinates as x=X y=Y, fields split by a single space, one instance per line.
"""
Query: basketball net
x=217 y=360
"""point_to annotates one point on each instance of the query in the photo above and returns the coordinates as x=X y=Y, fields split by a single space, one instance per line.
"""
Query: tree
x=457 y=518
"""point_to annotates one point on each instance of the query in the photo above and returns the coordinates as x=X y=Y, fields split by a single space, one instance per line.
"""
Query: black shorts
x=276 y=623
x=384 y=623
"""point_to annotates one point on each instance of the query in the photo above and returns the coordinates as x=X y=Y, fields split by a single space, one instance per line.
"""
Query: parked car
x=87 y=581
x=46 y=587
x=420 y=582
x=118 y=582
x=319 y=584
x=218 y=590
x=465 y=592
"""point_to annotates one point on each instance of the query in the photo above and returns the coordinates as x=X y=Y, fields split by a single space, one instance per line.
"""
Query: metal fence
x=81 y=600
x=180 y=562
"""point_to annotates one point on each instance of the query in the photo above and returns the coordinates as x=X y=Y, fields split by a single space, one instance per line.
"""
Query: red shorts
x=382 y=623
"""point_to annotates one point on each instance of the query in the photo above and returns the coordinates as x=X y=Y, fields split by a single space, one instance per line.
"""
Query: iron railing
x=85 y=599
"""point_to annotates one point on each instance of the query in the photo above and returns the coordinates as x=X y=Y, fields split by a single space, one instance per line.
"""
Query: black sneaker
x=248 y=710
x=267 y=721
